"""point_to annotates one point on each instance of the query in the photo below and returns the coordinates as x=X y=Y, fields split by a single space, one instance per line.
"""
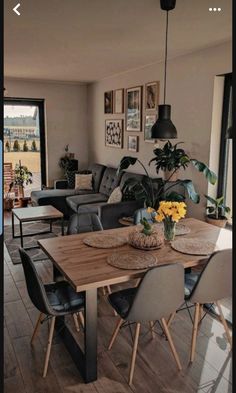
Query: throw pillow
x=116 y=196
x=84 y=181
x=70 y=177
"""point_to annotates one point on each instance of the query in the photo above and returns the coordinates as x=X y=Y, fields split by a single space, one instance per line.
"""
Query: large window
x=226 y=163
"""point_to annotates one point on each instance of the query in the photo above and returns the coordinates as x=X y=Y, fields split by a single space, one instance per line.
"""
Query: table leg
x=85 y=361
x=21 y=235
x=50 y=223
x=62 y=226
x=12 y=225
x=90 y=335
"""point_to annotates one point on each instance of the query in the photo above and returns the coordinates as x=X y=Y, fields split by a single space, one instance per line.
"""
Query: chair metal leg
x=170 y=319
x=76 y=322
x=116 y=331
x=136 y=337
x=224 y=323
x=195 y=329
x=151 y=324
x=36 y=328
x=51 y=331
x=172 y=347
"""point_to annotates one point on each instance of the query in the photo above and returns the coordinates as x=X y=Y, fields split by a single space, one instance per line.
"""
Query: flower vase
x=169 y=230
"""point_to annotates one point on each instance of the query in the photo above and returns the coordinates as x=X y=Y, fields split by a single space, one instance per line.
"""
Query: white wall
x=65 y=118
x=190 y=87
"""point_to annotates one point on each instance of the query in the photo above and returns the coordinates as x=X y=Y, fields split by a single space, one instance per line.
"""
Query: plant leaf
x=125 y=163
x=211 y=200
x=174 y=197
x=201 y=167
x=188 y=185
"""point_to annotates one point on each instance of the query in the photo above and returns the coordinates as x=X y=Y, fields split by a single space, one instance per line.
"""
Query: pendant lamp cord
x=167 y=22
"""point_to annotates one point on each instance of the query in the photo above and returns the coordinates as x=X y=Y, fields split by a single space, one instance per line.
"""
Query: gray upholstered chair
x=159 y=293
x=81 y=223
x=85 y=222
x=209 y=287
x=142 y=213
x=52 y=300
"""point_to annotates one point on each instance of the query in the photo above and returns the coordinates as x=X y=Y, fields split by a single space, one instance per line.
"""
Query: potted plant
x=22 y=177
x=66 y=161
x=170 y=158
x=216 y=212
x=8 y=197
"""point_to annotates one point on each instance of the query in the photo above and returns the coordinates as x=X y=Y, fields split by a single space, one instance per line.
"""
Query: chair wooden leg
x=76 y=322
x=81 y=318
x=194 y=333
x=151 y=324
x=132 y=364
x=172 y=347
x=36 y=328
x=116 y=331
x=224 y=323
x=51 y=331
x=103 y=291
x=170 y=319
x=108 y=289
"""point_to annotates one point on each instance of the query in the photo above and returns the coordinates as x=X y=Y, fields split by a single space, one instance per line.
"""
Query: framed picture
x=152 y=95
x=114 y=133
x=119 y=101
x=108 y=102
x=134 y=109
x=133 y=143
x=149 y=121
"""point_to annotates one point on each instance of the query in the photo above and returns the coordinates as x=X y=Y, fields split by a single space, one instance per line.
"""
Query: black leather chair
x=160 y=293
x=52 y=300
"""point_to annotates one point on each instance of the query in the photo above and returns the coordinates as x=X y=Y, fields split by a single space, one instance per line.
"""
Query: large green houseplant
x=169 y=158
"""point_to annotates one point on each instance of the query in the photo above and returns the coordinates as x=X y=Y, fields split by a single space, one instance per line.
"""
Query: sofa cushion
x=84 y=181
x=76 y=201
x=38 y=195
x=97 y=171
x=116 y=196
x=110 y=180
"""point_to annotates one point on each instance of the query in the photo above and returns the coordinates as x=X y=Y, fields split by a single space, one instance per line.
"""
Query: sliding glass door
x=24 y=141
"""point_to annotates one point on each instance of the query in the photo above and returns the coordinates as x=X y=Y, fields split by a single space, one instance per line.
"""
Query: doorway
x=24 y=141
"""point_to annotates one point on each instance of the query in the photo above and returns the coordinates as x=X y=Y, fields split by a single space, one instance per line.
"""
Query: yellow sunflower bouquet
x=169 y=213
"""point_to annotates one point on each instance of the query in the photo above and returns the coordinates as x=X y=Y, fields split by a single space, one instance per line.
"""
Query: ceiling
x=89 y=40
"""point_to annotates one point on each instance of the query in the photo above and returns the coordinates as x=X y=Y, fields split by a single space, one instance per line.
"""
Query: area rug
x=13 y=245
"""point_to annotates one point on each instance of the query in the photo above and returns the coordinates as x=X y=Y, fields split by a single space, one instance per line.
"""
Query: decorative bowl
x=150 y=242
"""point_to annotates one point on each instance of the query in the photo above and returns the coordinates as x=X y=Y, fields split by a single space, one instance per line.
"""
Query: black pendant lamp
x=163 y=128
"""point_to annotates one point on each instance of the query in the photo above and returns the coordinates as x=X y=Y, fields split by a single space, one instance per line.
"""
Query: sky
x=18 y=110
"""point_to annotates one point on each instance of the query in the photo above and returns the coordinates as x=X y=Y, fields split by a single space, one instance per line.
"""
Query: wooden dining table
x=86 y=269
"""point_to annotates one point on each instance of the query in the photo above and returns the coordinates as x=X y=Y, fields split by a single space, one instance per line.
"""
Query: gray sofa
x=105 y=180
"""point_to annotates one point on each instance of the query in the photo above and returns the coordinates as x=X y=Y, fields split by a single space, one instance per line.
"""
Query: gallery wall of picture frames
x=138 y=105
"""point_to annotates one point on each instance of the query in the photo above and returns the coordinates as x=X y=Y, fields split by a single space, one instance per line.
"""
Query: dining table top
x=86 y=267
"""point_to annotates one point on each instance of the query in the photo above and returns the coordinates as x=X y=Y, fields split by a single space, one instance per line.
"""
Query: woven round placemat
x=132 y=260
x=193 y=246
x=104 y=241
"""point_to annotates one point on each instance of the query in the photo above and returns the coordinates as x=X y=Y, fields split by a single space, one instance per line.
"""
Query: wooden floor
x=155 y=369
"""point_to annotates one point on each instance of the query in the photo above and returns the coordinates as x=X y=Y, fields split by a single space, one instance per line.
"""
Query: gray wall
x=65 y=115
x=190 y=86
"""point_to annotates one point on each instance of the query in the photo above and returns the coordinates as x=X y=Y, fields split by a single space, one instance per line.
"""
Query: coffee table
x=37 y=213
